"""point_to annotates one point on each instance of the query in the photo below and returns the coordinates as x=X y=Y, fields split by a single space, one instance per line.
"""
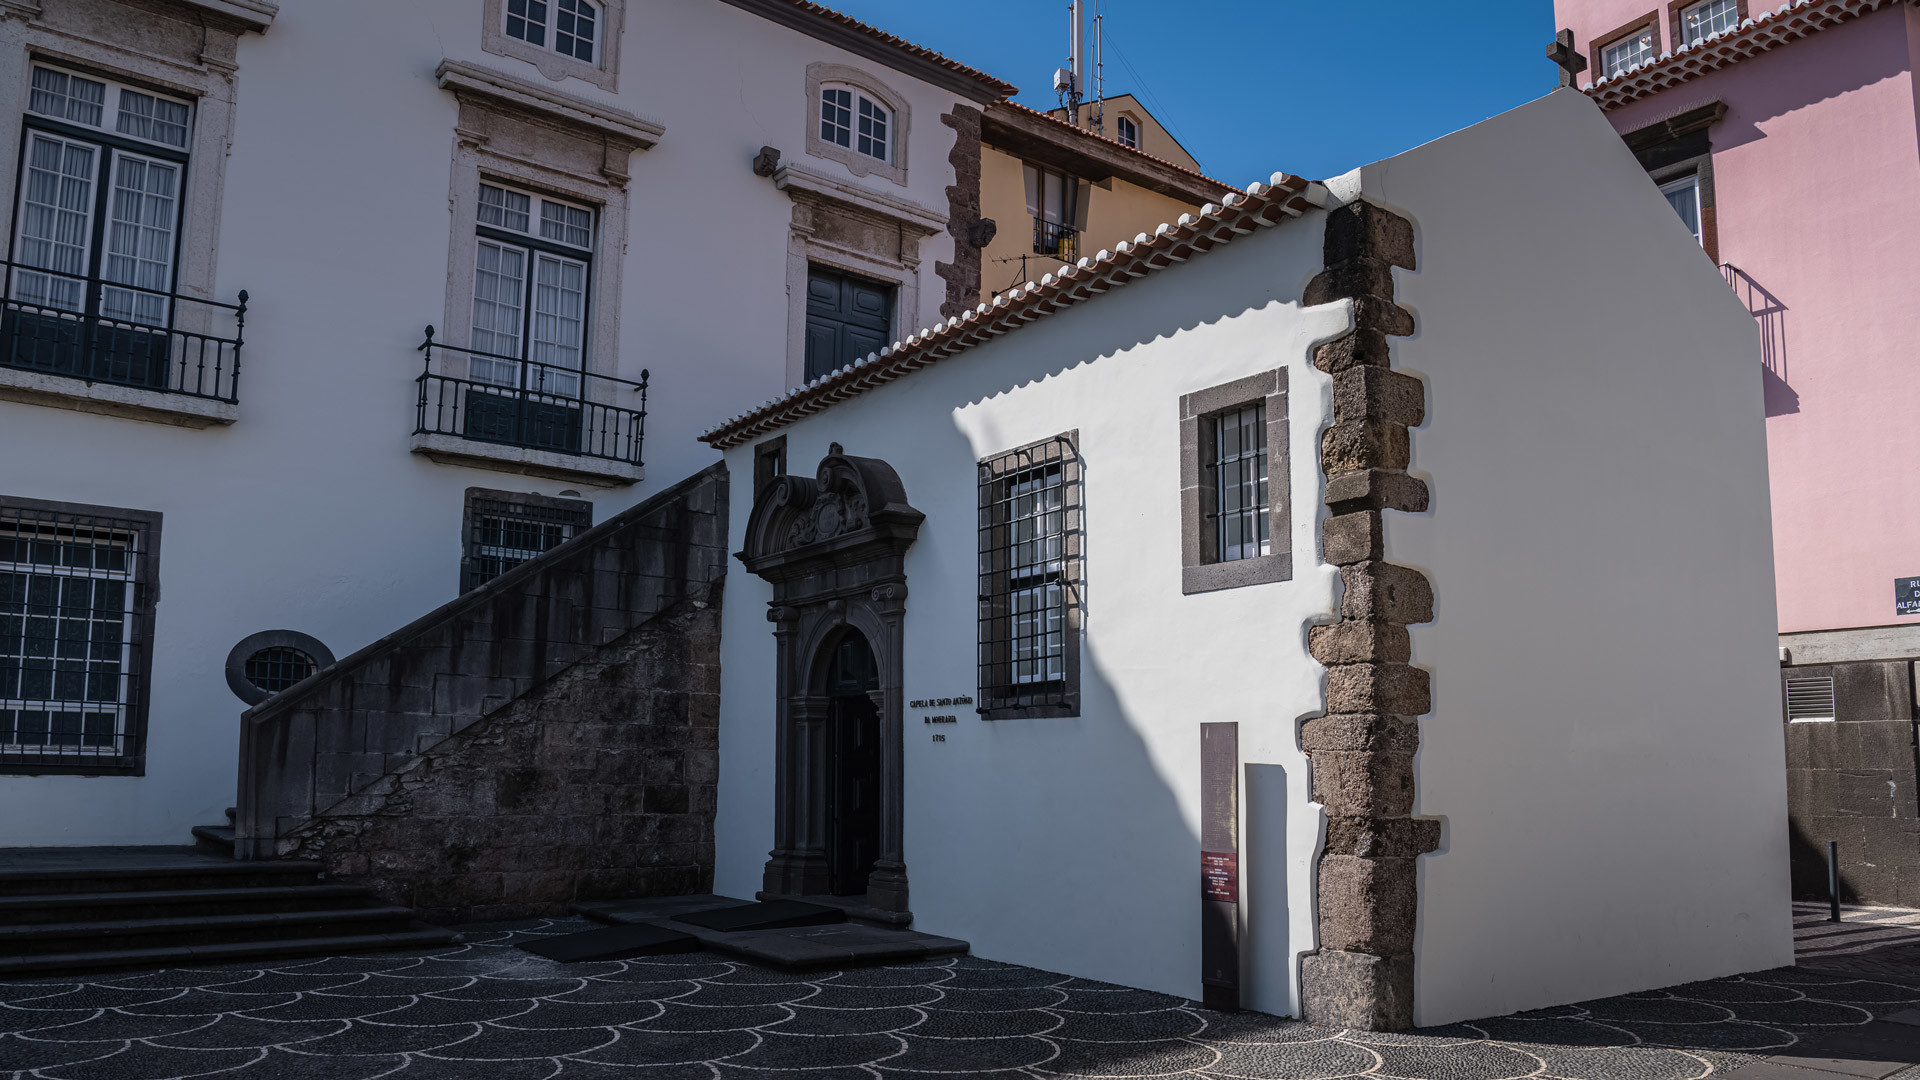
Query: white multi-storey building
x=316 y=315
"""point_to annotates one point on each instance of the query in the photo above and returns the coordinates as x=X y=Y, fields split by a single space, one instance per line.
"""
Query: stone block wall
x=547 y=737
x=1856 y=780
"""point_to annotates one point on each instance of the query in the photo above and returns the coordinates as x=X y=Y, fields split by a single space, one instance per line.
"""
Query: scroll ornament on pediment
x=832 y=514
x=848 y=501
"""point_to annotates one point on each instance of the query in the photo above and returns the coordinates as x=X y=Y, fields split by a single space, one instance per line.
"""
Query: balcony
x=490 y=411
x=1055 y=239
x=78 y=343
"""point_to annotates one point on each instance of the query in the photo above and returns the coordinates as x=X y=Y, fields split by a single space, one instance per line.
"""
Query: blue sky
x=1251 y=86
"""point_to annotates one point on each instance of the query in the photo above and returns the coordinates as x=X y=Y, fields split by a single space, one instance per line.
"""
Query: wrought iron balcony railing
x=103 y=332
x=531 y=405
x=1055 y=239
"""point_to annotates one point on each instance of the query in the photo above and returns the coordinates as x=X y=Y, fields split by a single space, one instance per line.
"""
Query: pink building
x=1787 y=139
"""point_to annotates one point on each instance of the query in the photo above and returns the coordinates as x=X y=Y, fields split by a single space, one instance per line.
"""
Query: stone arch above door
x=834 y=547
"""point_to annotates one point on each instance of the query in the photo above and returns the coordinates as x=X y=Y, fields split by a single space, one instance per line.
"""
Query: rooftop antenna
x=1099 y=76
x=1070 y=81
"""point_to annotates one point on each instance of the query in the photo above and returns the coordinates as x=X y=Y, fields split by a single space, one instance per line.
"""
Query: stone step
x=214 y=839
x=196 y=930
x=416 y=936
x=165 y=903
x=53 y=871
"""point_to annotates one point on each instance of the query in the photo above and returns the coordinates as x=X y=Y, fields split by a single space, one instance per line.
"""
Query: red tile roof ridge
x=1757 y=34
x=998 y=85
x=1237 y=214
x=1115 y=143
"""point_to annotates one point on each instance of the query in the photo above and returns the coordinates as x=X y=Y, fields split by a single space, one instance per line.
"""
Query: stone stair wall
x=546 y=738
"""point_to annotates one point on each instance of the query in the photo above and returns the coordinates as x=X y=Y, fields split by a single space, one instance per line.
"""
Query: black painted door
x=853 y=788
x=847 y=318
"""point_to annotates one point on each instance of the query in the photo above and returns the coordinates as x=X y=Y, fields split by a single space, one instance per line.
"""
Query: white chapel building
x=1354 y=597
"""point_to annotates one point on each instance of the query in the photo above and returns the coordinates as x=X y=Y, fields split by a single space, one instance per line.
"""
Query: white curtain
x=499 y=285
x=141 y=217
x=559 y=323
x=56 y=219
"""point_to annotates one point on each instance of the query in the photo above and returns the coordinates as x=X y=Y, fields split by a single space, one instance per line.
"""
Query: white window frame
x=1691 y=182
x=855 y=128
x=535 y=253
x=860 y=87
x=1640 y=42
x=1120 y=125
x=1726 y=12
x=553 y=13
x=602 y=71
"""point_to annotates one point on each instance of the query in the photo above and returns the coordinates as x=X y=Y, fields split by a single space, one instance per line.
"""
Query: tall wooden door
x=847 y=318
x=853 y=782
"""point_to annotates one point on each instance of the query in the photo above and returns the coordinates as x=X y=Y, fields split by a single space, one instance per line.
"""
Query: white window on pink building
x=1628 y=53
x=1684 y=196
x=1698 y=22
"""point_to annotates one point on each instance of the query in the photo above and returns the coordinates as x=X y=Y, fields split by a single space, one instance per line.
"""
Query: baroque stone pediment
x=851 y=509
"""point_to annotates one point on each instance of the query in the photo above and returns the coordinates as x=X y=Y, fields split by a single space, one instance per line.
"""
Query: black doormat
x=766 y=915
x=613 y=943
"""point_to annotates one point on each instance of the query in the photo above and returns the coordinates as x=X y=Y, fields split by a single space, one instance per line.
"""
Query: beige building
x=1058 y=191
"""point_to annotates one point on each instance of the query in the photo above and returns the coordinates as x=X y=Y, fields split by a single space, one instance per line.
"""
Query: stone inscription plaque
x=1906 y=596
x=939 y=702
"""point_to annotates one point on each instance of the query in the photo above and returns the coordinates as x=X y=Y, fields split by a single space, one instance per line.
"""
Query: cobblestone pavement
x=486 y=1011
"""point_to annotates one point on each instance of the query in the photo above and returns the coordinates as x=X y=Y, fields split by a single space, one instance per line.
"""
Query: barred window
x=1237 y=473
x=505 y=529
x=75 y=610
x=1030 y=532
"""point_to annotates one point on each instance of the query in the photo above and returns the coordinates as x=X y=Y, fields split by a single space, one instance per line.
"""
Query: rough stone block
x=1364 y=229
x=1375 y=489
x=1383 y=315
x=1356 y=276
x=1363 y=783
x=1364 y=444
x=1382 y=838
x=1374 y=393
x=1367 y=905
x=1385 y=592
x=1359 y=643
x=1399 y=689
x=1357 y=990
x=1359 y=731
x=1365 y=346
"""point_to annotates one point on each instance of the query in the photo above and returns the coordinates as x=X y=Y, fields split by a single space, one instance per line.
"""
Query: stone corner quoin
x=1362 y=749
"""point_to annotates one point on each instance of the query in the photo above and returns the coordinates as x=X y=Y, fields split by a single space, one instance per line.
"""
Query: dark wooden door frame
x=834 y=547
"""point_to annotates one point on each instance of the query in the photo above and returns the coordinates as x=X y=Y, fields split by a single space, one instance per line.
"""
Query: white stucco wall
x=1605 y=746
x=309 y=513
x=1072 y=844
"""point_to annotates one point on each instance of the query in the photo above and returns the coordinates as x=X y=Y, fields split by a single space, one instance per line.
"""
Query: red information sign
x=1220 y=876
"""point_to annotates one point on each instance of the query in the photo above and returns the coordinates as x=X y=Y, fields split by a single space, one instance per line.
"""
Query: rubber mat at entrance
x=766 y=915
x=613 y=943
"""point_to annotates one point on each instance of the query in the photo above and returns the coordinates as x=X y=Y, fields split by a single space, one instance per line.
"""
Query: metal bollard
x=1833 y=879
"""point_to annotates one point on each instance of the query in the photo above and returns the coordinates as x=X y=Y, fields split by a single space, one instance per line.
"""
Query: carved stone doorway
x=834 y=548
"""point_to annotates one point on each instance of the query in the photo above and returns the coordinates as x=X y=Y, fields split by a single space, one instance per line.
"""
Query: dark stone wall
x=549 y=736
x=962 y=275
x=1855 y=781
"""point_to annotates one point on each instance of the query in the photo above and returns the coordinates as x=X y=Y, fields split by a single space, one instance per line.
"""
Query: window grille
x=1238 y=518
x=506 y=529
x=1030 y=541
x=275 y=669
x=74 y=617
x=1810 y=698
x=1701 y=21
x=1628 y=53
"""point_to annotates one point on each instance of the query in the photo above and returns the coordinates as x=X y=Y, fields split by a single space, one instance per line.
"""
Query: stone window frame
x=146 y=598
x=1689 y=133
x=820 y=75
x=554 y=67
x=769 y=461
x=1065 y=447
x=528 y=499
x=180 y=48
x=1200 y=571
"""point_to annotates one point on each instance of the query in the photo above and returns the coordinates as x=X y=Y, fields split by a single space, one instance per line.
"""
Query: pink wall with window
x=1816 y=176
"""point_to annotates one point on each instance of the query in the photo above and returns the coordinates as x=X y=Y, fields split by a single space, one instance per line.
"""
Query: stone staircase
x=66 y=910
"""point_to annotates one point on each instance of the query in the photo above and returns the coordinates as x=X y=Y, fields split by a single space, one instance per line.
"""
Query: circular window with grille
x=264 y=664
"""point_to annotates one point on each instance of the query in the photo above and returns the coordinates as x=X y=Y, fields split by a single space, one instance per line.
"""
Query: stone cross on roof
x=1564 y=54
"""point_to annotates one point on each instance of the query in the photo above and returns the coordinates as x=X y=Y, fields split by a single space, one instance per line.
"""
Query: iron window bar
x=1030 y=542
x=74 y=611
x=192 y=360
x=1238 y=514
x=549 y=407
x=275 y=668
x=1055 y=238
x=502 y=534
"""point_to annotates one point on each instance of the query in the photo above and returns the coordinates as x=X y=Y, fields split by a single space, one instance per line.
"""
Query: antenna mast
x=1070 y=81
x=1099 y=76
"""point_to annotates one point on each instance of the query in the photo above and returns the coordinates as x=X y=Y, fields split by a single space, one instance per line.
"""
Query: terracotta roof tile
x=1758 y=34
x=1115 y=143
x=998 y=86
x=1238 y=214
